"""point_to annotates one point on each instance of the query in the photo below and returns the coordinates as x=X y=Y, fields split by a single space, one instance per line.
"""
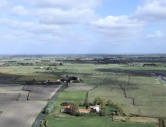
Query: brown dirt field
x=39 y=93
x=16 y=110
x=20 y=113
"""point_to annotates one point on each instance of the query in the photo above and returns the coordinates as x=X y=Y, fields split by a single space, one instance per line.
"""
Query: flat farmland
x=135 y=89
x=20 y=114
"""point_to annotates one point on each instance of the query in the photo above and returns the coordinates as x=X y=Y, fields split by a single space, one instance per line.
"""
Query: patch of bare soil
x=17 y=110
x=20 y=113
x=39 y=93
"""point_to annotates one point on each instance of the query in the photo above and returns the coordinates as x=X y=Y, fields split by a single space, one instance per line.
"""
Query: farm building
x=96 y=108
x=84 y=111
x=66 y=109
x=70 y=79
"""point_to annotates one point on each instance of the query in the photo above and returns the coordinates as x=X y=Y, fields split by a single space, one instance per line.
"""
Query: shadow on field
x=64 y=73
x=8 y=78
x=117 y=84
x=133 y=72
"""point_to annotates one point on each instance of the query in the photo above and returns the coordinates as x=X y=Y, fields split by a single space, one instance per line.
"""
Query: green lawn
x=91 y=122
x=57 y=119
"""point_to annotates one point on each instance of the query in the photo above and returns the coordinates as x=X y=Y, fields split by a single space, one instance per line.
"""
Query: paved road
x=42 y=115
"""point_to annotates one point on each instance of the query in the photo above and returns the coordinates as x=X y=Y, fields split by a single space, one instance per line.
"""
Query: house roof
x=67 y=107
x=96 y=106
x=84 y=110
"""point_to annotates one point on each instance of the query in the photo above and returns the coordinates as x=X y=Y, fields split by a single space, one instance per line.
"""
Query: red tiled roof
x=84 y=110
x=67 y=107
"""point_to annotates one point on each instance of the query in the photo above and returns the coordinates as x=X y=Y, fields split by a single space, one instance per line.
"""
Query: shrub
x=74 y=109
x=49 y=108
x=102 y=110
x=119 y=109
x=86 y=99
x=66 y=103
x=99 y=101
x=109 y=103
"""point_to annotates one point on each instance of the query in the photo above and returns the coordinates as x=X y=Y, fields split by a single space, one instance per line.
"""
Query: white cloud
x=59 y=16
x=20 y=11
x=32 y=27
x=117 y=27
x=153 y=10
x=66 y=4
x=65 y=11
x=4 y=4
x=156 y=35
x=77 y=11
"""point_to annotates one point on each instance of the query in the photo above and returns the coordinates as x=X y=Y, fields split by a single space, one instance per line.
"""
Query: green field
x=57 y=119
x=147 y=91
x=149 y=97
x=90 y=122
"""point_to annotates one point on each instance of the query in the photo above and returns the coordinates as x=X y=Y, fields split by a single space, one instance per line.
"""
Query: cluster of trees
x=103 y=103
x=43 y=123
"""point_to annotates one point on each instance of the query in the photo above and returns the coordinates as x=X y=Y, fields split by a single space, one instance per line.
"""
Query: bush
x=99 y=101
x=102 y=110
x=66 y=103
x=74 y=109
x=49 y=108
x=86 y=99
x=119 y=109
x=109 y=103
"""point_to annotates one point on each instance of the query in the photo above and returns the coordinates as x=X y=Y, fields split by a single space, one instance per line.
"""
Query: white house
x=96 y=107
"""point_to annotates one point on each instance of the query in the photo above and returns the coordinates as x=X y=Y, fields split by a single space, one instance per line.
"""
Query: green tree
x=109 y=102
x=99 y=101
x=41 y=123
x=45 y=123
x=74 y=109
x=119 y=109
x=103 y=110
x=86 y=99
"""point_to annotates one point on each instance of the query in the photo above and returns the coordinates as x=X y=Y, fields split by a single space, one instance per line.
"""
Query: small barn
x=96 y=108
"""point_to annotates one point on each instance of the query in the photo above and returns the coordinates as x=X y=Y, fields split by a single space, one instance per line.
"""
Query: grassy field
x=57 y=119
x=147 y=92
x=91 y=122
x=136 y=90
x=25 y=73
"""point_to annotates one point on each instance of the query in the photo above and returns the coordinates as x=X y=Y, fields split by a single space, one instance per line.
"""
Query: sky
x=82 y=26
